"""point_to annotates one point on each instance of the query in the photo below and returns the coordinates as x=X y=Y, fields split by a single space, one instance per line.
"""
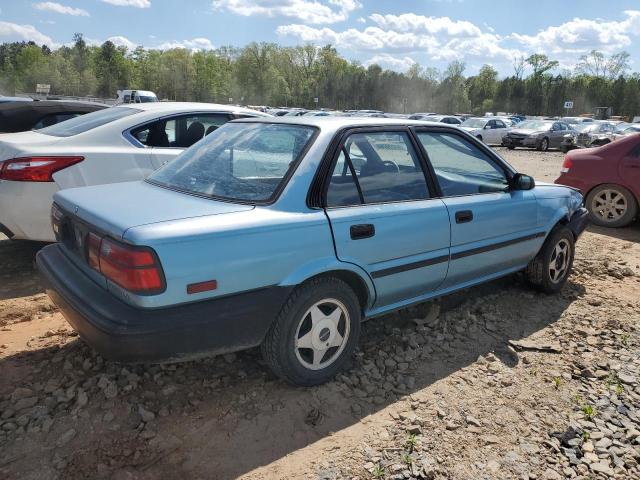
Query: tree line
x=269 y=74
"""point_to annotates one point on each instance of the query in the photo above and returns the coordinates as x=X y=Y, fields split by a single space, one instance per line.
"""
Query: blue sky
x=394 y=34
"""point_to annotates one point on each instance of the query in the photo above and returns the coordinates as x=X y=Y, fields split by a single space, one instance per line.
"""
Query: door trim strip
x=444 y=258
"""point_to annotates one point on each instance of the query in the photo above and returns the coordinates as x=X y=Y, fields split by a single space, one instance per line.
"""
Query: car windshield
x=87 y=122
x=246 y=162
x=474 y=123
x=534 y=125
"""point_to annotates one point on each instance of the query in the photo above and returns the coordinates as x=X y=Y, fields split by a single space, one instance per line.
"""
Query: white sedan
x=487 y=129
x=117 y=144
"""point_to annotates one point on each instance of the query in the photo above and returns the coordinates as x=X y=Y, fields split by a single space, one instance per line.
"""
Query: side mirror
x=520 y=181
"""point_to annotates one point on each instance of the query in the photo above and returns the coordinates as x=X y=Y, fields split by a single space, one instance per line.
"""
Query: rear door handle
x=364 y=230
x=464 y=216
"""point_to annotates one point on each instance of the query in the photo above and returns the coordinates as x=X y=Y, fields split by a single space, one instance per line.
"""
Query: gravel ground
x=494 y=382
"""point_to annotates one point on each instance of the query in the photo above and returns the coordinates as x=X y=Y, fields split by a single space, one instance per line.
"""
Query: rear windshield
x=88 y=122
x=239 y=161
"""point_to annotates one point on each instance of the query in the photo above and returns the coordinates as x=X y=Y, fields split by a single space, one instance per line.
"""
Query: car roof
x=337 y=122
x=194 y=106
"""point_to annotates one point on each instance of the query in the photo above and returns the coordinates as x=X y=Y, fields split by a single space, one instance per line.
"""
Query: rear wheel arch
x=355 y=282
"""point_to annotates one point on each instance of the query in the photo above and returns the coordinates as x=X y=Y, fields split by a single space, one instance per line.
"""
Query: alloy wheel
x=559 y=262
x=610 y=205
x=322 y=334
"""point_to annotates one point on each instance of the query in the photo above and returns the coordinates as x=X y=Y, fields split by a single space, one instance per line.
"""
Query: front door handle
x=364 y=230
x=464 y=216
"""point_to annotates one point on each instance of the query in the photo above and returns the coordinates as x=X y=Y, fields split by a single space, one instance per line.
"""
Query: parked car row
x=286 y=232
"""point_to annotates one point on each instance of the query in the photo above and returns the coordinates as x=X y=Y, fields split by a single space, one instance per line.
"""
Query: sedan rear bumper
x=121 y=332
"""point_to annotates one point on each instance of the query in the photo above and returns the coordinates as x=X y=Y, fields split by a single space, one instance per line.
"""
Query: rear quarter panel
x=242 y=251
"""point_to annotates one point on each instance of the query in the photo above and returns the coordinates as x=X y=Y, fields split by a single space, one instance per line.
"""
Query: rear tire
x=511 y=147
x=548 y=272
x=315 y=333
x=611 y=205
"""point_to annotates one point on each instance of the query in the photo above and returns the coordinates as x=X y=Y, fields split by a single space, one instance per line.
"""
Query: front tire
x=315 y=333
x=543 y=146
x=611 y=205
x=548 y=272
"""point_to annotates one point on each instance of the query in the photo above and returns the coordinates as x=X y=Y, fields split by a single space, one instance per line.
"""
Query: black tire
x=511 y=147
x=479 y=137
x=279 y=347
x=543 y=146
x=539 y=270
x=608 y=217
x=564 y=149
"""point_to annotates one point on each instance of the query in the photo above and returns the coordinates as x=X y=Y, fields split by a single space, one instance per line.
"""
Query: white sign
x=230 y=99
x=43 y=88
x=316 y=100
x=568 y=105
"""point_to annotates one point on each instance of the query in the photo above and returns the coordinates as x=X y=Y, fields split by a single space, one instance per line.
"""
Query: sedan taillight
x=134 y=268
x=35 y=169
x=566 y=165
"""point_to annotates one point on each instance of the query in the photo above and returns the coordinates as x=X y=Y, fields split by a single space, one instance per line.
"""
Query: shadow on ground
x=18 y=275
x=227 y=416
x=630 y=233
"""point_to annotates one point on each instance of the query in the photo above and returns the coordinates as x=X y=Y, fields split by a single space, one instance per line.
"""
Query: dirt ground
x=497 y=382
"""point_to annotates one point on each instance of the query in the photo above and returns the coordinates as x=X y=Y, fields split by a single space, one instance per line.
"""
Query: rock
x=66 y=437
x=25 y=403
x=628 y=379
x=108 y=417
x=230 y=357
x=539 y=345
x=473 y=421
x=414 y=429
x=82 y=398
x=601 y=467
x=146 y=415
x=111 y=390
x=431 y=318
x=550 y=474
x=20 y=393
x=603 y=443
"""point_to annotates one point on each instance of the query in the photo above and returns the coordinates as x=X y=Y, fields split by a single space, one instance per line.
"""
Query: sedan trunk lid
x=21 y=144
x=124 y=210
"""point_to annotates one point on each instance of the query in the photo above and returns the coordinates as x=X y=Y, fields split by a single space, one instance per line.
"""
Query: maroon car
x=609 y=178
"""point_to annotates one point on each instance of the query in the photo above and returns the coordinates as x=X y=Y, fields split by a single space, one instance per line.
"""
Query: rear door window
x=377 y=167
x=180 y=131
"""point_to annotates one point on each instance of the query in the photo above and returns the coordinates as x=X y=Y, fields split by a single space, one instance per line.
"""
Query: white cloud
x=58 y=8
x=121 y=41
x=410 y=22
x=129 y=3
x=25 y=32
x=581 y=35
x=195 y=44
x=391 y=62
x=307 y=11
x=439 y=38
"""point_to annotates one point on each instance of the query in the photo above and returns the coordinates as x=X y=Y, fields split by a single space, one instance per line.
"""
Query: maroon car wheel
x=611 y=206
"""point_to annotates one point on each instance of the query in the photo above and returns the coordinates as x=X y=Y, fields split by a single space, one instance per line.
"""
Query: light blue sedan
x=288 y=232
